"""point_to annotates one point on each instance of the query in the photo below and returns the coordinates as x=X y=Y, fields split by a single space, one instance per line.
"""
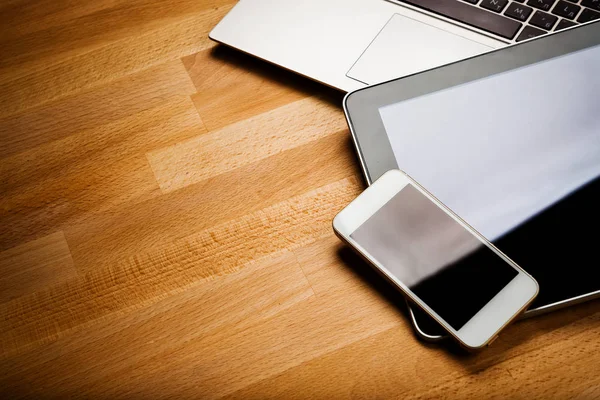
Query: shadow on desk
x=276 y=74
x=507 y=345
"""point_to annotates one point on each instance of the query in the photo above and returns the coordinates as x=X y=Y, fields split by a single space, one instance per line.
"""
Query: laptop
x=348 y=44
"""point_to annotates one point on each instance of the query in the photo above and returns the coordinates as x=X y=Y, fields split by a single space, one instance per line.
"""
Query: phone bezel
x=493 y=317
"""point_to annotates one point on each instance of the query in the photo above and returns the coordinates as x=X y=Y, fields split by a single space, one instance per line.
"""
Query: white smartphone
x=440 y=262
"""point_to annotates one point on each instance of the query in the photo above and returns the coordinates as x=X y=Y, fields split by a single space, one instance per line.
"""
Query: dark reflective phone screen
x=431 y=253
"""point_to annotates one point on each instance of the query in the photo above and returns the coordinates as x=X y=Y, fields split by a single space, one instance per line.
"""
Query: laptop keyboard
x=514 y=19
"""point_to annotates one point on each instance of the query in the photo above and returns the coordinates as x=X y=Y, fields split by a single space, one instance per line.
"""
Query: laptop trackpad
x=405 y=46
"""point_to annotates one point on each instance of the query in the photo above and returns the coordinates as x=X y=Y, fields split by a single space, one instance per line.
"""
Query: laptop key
x=564 y=24
x=594 y=4
x=543 y=20
x=494 y=5
x=529 y=32
x=474 y=16
x=566 y=10
x=588 y=15
x=541 y=4
x=518 y=11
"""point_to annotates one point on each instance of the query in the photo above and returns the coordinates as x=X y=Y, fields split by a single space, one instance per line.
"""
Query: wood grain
x=243 y=143
x=165 y=214
x=134 y=228
x=210 y=310
x=90 y=108
x=232 y=86
x=147 y=276
x=50 y=81
x=35 y=265
x=104 y=21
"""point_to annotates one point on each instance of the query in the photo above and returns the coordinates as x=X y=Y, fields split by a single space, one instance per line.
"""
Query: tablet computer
x=510 y=141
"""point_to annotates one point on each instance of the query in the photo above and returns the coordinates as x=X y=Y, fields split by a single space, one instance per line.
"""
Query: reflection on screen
x=437 y=258
x=506 y=152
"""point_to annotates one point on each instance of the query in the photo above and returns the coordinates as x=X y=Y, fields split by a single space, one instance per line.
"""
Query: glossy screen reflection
x=447 y=267
x=516 y=155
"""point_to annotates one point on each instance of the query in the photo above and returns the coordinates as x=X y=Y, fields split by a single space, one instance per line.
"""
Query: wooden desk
x=165 y=218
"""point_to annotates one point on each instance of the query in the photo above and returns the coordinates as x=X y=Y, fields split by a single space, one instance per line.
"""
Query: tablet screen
x=517 y=155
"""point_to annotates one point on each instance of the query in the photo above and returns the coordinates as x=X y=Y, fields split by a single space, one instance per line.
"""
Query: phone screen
x=436 y=257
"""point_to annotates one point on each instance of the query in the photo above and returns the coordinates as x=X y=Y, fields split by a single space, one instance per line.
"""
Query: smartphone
x=443 y=265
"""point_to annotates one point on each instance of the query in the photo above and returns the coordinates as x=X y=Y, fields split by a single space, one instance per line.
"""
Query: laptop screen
x=517 y=155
